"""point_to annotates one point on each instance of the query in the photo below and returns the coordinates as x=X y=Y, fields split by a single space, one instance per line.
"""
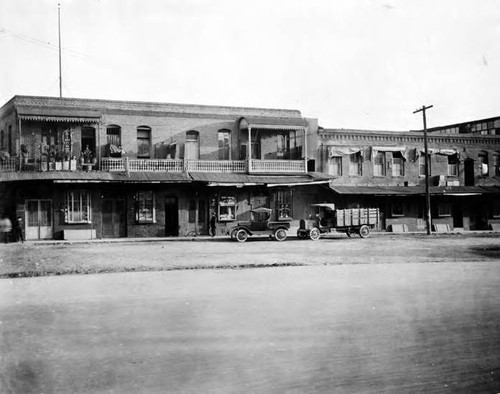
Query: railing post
x=126 y=165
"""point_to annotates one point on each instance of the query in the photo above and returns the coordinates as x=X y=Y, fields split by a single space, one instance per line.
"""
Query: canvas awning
x=58 y=115
x=344 y=150
x=376 y=149
x=415 y=190
x=240 y=180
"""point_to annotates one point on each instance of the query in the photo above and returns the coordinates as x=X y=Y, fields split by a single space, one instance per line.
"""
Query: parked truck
x=328 y=219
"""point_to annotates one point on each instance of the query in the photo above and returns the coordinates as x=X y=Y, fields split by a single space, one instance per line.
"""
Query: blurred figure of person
x=213 y=224
x=5 y=229
x=19 y=229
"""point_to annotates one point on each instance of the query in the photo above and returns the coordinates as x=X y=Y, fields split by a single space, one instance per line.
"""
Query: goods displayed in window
x=227 y=208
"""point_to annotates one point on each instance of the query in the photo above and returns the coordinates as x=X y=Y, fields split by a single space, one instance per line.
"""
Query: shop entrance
x=114 y=222
x=171 y=217
x=39 y=219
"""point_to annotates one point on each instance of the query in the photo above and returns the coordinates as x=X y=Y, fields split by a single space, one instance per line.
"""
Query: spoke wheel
x=241 y=235
x=280 y=235
x=349 y=233
x=314 y=234
x=364 y=231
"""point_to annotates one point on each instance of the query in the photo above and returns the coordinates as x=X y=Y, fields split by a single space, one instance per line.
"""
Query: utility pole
x=427 y=194
x=59 y=30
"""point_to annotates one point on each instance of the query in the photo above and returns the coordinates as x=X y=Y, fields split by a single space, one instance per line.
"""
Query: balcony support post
x=249 y=150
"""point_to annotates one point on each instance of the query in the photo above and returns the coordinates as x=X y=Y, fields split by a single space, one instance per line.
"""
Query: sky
x=355 y=64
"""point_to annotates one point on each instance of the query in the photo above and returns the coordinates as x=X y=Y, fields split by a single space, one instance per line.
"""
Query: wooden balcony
x=110 y=164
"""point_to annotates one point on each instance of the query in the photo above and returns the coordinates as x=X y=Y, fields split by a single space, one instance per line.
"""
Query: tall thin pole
x=60 y=63
x=426 y=161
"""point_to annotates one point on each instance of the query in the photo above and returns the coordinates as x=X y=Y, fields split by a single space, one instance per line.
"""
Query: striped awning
x=273 y=123
x=58 y=115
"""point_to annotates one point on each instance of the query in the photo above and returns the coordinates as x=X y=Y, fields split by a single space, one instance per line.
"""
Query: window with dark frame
x=483 y=162
x=355 y=164
x=144 y=142
x=113 y=135
x=144 y=207
x=453 y=165
x=284 y=204
x=397 y=208
x=444 y=209
x=224 y=144
x=379 y=164
x=398 y=164
x=335 y=166
x=77 y=207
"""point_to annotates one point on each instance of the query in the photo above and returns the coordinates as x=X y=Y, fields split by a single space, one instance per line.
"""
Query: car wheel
x=314 y=234
x=280 y=234
x=233 y=233
x=241 y=235
x=364 y=231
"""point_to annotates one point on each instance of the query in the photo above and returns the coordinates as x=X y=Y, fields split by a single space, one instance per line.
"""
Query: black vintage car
x=260 y=224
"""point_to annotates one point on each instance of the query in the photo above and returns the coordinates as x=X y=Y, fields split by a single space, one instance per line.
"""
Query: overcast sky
x=349 y=63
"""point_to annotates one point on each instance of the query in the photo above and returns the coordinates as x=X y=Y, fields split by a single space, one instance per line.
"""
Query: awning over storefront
x=415 y=190
x=240 y=180
x=432 y=151
x=58 y=115
x=273 y=123
x=96 y=177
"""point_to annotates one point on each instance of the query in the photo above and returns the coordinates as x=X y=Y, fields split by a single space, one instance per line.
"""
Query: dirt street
x=51 y=258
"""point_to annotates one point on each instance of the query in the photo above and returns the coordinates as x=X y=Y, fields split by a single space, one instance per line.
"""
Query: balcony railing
x=216 y=166
x=277 y=166
x=110 y=164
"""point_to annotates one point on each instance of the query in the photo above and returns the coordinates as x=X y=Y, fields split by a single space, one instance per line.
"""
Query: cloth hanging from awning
x=376 y=149
x=433 y=151
x=344 y=150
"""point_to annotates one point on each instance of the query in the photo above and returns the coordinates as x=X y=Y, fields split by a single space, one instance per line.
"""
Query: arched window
x=192 y=148
x=144 y=142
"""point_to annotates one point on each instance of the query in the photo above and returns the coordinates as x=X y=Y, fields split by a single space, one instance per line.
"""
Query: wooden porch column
x=305 y=149
x=249 y=149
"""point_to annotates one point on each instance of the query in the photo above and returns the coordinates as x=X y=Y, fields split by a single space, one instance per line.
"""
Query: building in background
x=80 y=168
x=386 y=169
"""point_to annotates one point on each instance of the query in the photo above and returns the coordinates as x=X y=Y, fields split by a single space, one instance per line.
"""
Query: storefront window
x=144 y=207
x=227 y=208
x=284 y=206
x=77 y=207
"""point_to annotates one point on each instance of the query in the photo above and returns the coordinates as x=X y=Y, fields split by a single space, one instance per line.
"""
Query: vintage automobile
x=327 y=219
x=260 y=224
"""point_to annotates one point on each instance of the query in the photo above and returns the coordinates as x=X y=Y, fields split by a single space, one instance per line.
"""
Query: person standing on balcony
x=213 y=224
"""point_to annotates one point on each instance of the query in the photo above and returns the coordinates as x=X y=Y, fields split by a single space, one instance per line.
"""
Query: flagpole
x=60 y=63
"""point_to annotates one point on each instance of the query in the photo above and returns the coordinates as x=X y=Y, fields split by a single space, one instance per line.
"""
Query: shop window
x=453 y=165
x=77 y=207
x=379 y=164
x=444 y=209
x=144 y=207
x=284 y=207
x=227 y=208
x=144 y=142
x=397 y=209
x=355 y=164
x=398 y=164
x=335 y=166
x=224 y=145
x=483 y=162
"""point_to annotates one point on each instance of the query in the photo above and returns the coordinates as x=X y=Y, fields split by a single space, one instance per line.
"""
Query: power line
x=46 y=44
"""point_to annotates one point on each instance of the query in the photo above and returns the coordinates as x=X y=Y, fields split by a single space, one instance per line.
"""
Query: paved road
x=401 y=328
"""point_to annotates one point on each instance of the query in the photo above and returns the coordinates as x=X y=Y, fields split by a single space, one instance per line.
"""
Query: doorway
x=114 y=222
x=171 y=217
x=457 y=213
x=39 y=219
x=469 y=172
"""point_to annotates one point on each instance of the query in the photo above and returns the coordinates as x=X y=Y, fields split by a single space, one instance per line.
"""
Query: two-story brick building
x=79 y=168
x=386 y=169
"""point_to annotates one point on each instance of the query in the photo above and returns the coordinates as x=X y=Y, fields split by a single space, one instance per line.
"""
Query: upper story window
x=49 y=134
x=192 y=147
x=483 y=128
x=224 y=137
x=335 y=166
x=355 y=164
x=144 y=142
x=379 y=164
x=496 y=164
x=2 y=139
x=10 y=142
x=421 y=165
x=453 y=165
x=113 y=135
x=77 y=207
x=483 y=162
x=398 y=164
